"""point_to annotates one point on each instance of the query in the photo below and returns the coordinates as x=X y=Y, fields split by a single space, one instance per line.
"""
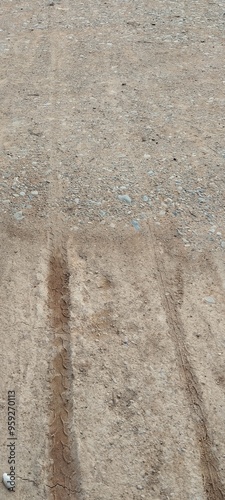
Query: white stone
x=7 y=481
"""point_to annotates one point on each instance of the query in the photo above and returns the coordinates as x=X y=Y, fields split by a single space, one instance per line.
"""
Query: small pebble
x=35 y=193
x=124 y=197
x=18 y=215
x=222 y=244
x=135 y=225
x=209 y=300
x=7 y=481
x=145 y=198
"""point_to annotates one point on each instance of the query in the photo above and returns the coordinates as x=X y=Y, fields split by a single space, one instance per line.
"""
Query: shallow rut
x=64 y=477
x=171 y=284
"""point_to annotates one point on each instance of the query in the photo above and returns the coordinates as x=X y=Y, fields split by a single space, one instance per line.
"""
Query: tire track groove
x=171 y=292
x=64 y=477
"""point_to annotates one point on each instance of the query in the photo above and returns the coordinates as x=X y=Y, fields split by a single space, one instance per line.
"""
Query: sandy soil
x=112 y=249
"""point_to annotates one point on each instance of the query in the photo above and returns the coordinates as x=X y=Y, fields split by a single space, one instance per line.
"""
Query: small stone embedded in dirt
x=125 y=198
x=145 y=198
x=135 y=224
x=6 y=479
x=209 y=300
x=18 y=215
x=222 y=244
x=35 y=193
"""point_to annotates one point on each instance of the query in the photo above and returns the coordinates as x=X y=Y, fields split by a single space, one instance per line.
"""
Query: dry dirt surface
x=112 y=249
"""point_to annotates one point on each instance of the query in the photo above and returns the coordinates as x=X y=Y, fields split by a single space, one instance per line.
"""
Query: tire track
x=171 y=293
x=64 y=479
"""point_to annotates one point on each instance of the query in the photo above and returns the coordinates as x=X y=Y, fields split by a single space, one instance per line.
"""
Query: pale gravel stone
x=125 y=198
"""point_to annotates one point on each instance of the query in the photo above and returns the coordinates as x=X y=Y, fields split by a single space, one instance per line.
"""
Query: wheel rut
x=171 y=285
x=64 y=477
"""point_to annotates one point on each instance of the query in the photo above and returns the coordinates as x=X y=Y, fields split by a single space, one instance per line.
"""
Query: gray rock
x=125 y=198
x=145 y=198
x=92 y=202
x=135 y=224
x=18 y=215
x=222 y=244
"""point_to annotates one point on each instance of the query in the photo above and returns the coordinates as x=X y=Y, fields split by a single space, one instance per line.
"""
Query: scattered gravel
x=156 y=134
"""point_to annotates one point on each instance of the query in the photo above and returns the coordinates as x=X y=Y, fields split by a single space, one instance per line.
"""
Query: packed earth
x=112 y=250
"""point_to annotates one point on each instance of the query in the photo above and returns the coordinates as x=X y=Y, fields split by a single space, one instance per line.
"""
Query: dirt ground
x=112 y=249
